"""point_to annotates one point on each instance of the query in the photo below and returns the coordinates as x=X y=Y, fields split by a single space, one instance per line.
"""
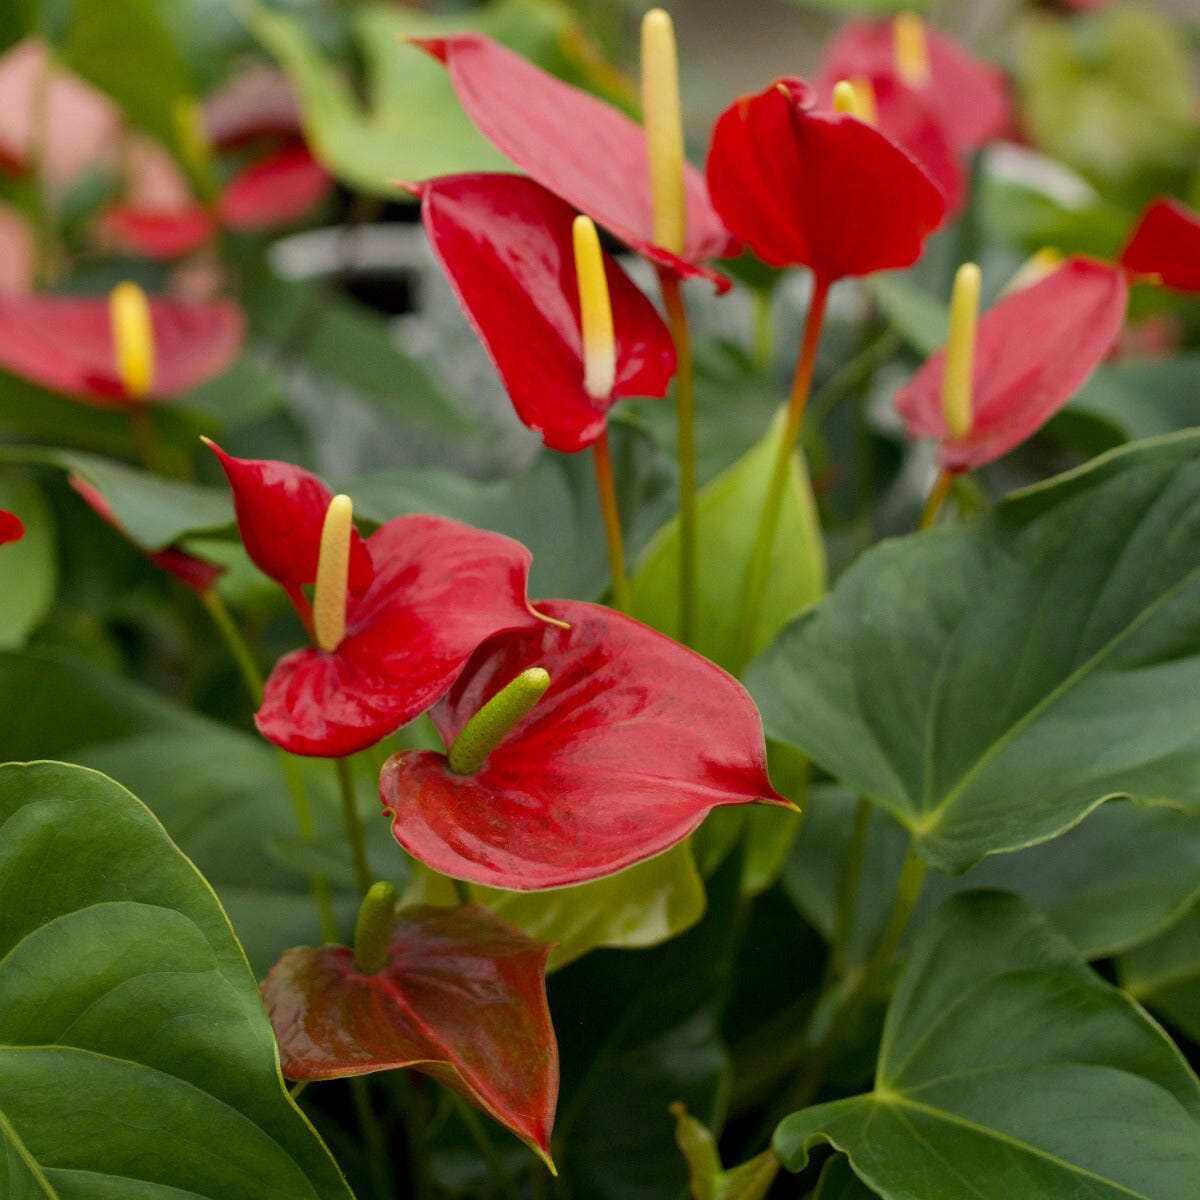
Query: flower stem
x=602 y=456
x=252 y=678
x=754 y=591
x=377 y=1150
x=685 y=405
x=937 y=497
x=354 y=829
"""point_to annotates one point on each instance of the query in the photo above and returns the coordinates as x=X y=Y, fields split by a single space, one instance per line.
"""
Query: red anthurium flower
x=1166 y=243
x=819 y=189
x=422 y=593
x=12 y=528
x=159 y=233
x=198 y=574
x=506 y=245
x=967 y=97
x=66 y=344
x=579 y=147
x=256 y=103
x=635 y=741
x=462 y=998
x=1033 y=351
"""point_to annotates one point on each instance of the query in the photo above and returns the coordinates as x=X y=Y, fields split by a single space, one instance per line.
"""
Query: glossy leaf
x=1041 y=1081
x=440 y=589
x=966 y=96
x=274 y=191
x=641 y=906
x=839 y=1182
x=1033 y=350
x=1164 y=975
x=65 y=344
x=505 y=244
x=805 y=187
x=462 y=998
x=729 y=509
x=635 y=742
x=991 y=684
x=125 y=994
x=1166 y=243
x=29 y=560
x=578 y=147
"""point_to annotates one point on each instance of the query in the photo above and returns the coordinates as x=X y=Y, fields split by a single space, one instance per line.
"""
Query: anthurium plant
x=577 y=624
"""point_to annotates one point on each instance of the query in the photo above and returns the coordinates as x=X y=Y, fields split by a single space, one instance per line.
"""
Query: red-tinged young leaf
x=635 y=742
x=965 y=95
x=440 y=589
x=12 y=528
x=1166 y=243
x=198 y=574
x=579 y=147
x=256 y=103
x=161 y=234
x=505 y=244
x=275 y=191
x=904 y=116
x=1033 y=351
x=65 y=343
x=280 y=511
x=462 y=998
x=818 y=189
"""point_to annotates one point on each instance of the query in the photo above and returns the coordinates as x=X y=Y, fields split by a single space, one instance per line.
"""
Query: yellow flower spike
x=911 y=49
x=960 y=351
x=133 y=338
x=496 y=720
x=1034 y=269
x=663 y=122
x=333 y=569
x=595 y=312
x=856 y=97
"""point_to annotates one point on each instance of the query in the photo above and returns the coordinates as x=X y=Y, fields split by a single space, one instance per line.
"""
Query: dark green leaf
x=28 y=568
x=134 y=1039
x=1165 y=974
x=1144 y=398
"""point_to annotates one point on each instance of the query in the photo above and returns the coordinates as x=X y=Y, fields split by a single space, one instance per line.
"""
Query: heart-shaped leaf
x=728 y=512
x=462 y=998
x=989 y=685
x=1033 y=1079
x=1165 y=974
x=125 y=1000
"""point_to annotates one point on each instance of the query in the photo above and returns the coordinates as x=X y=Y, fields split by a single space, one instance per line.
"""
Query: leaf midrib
x=6 y=1128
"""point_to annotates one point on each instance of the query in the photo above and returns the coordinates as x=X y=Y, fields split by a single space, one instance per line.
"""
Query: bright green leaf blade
x=991 y=684
x=728 y=512
x=1164 y=975
x=28 y=568
x=750 y=1180
x=647 y=904
x=124 y=993
x=1009 y=1069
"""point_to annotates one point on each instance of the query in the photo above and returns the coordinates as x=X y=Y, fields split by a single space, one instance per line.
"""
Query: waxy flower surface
x=12 y=528
x=506 y=245
x=1034 y=349
x=804 y=187
x=66 y=344
x=421 y=594
x=966 y=96
x=462 y=997
x=635 y=741
x=1166 y=242
x=580 y=148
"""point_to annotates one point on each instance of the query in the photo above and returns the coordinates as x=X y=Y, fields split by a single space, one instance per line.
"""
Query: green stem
x=685 y=405
x=354 y=829
x=848 y=895
x=602 y=457
x=764 y=348
x=937 y=497
x=500 y=1177
x=296 y=1088
x=759 y=565
x=377 y=1151
x=253 y=680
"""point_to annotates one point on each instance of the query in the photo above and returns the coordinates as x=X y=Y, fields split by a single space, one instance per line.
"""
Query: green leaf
x=1008 y=1069
x=1144 y=398
x=919 y=318
x=991 y=684
x=133 y=1041
x=1164 y=974
x=28 y=568
x=649 y=903
x=749 y=1181
x=1116 y=880
x=123 y=48
x=220 y=793
x=839 y=1182
x=412 y=126
x=728 y=512
x=551 y=507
